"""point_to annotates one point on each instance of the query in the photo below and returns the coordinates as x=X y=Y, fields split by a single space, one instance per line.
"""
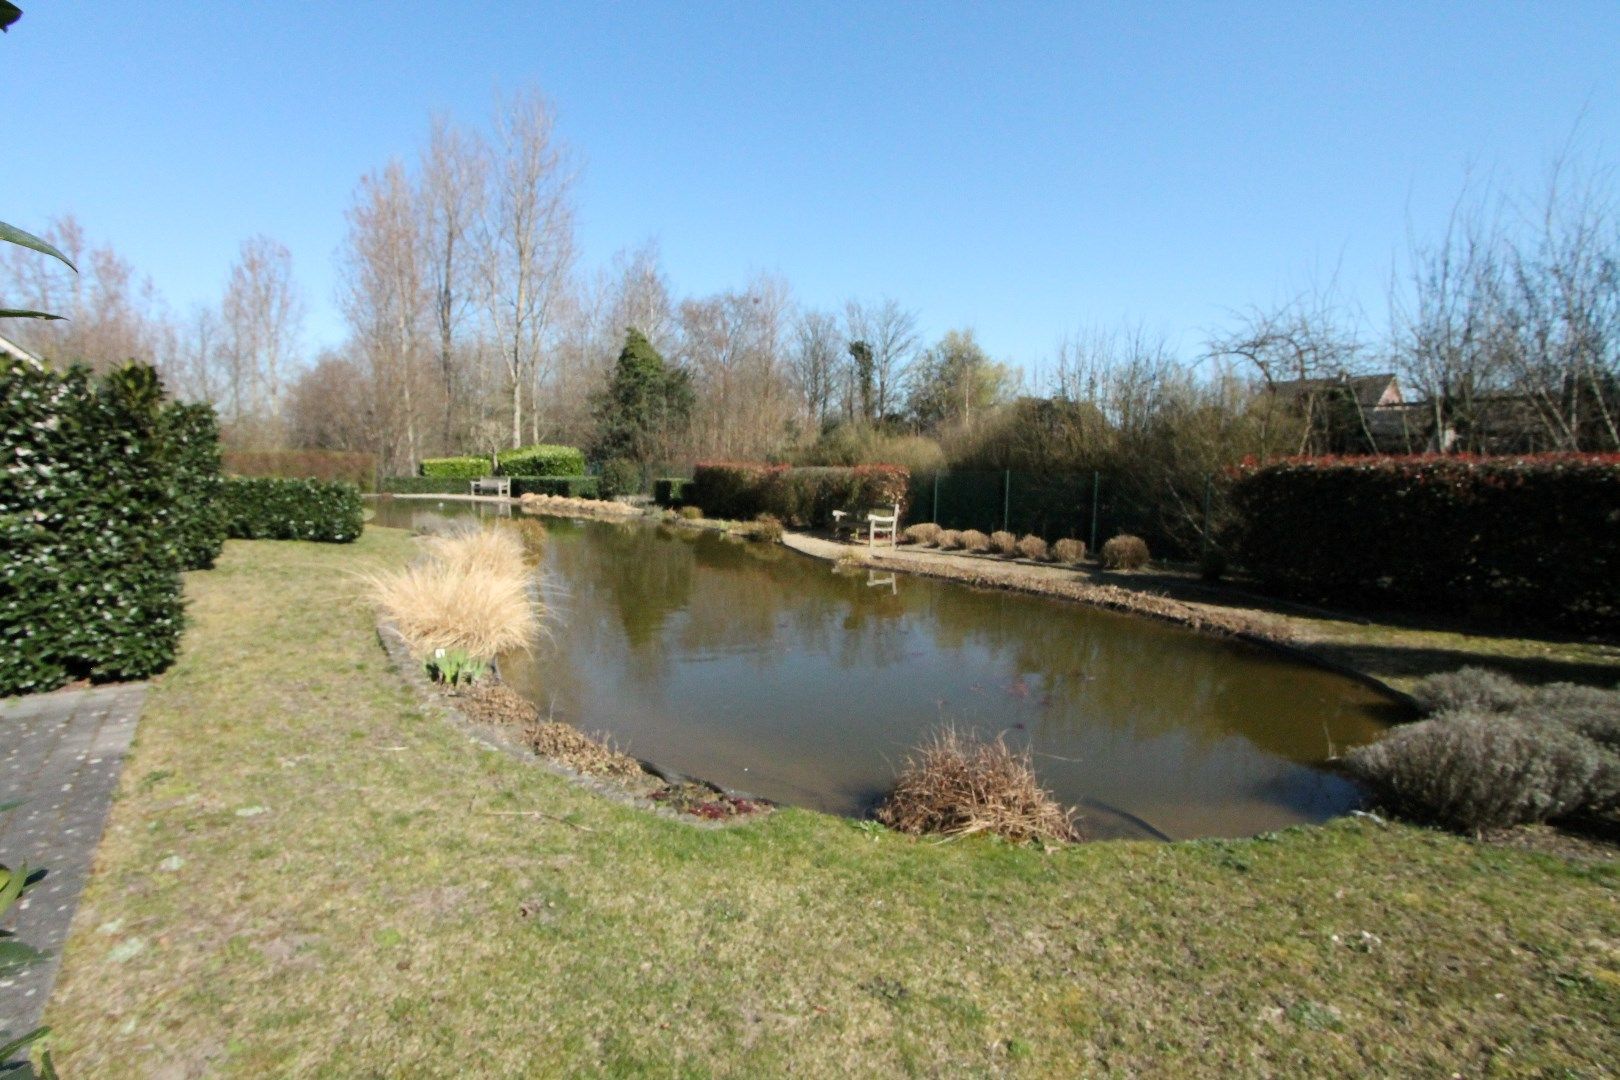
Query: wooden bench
x=493 y=485
x=877 y=526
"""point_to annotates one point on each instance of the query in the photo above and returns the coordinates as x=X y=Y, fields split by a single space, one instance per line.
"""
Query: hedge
x=579 y=487
x=454 y=468
x=671 y=491
x=269 y=508
x=90 y=583
x=192 y=433
x=541 y=460
x=1534 y=537
x=798 y=496
x=357 y=468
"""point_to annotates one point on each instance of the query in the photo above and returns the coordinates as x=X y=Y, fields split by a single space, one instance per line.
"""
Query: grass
x=300 y=878
x=470 y=590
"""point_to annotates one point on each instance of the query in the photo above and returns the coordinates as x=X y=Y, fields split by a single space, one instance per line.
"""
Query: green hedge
x=268 y=508
x=421 y=485
x=798 y=496
x=454 y=468
x=90 y=582
x=671 y=491
x=1534 y=538
x=193 y=442
x=541 y=460
x=578 y=487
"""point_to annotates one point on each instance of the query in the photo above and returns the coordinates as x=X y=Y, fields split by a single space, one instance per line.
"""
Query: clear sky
x=1025 y=169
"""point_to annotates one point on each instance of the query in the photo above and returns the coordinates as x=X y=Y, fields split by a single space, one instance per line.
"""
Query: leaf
x=20 y=313
x=11 y=804
x=16 y=955
x=9 y=13
x=28 y=240
x=10 y=1049
x=13 y=887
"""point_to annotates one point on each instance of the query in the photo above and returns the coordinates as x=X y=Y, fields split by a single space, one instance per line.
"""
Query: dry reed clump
x=974 y=540
x=1032 y=547
x=950 y=540
x=1004 y=542
x=691 y=513
x=766 y=528
x=469 y=591
x=1069 y=551
x=565 y=744
x=1124 y=552
x=956 y=784
x=923 y=535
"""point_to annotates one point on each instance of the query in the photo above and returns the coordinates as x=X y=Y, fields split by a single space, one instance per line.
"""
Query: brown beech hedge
x=1520 y=538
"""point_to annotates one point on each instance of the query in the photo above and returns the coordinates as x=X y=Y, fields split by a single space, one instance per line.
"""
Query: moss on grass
x=371 y=920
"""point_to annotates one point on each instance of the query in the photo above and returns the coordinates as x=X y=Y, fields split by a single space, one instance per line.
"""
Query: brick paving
x=62 y=752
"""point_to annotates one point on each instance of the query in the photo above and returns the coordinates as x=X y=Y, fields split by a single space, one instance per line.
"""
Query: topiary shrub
x=1004 y=542
x=541 y=460
x=1471 y=771
x=1124 y=552
x=192 y=435
x=267 y=508
x=457 y=468
x=1469 y=689
x=90 y=581
x=1032 y=547
x=950 y=540
x=925 y=534
x=620 y=477
x=974 y=540
x=1069 y=551
x=670 y=491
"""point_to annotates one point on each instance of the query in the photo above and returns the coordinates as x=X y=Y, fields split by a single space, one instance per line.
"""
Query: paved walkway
x=62 y=752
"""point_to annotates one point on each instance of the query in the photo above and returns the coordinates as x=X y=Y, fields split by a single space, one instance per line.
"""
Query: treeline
x=473 y=326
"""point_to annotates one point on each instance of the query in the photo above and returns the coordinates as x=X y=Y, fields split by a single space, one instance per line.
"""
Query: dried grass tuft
x=1032 y=547
x=469 y=591
x=950 y=540
x=1004 y=542
x=1069 y=551
x=974 y=540
x=923 y=535
x=550 y=739
x=957 y=784
x=1124 y=552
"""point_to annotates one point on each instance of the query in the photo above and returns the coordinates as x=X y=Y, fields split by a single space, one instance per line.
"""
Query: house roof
x=1371 y=391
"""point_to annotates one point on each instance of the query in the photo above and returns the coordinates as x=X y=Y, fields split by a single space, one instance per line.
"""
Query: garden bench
x=878 y=526
x=493 y=485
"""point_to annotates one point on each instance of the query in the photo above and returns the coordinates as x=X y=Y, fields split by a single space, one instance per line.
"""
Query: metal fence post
x=935 y=518
x=1096 y=481
x=1006 y=499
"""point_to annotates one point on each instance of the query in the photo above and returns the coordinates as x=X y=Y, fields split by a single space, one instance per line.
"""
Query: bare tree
x=451 y=196
x=527 y=241
x=262 y=314
x=818 y=348
x=890 y=331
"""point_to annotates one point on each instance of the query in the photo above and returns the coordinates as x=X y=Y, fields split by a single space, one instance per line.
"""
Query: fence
x=1178 y=520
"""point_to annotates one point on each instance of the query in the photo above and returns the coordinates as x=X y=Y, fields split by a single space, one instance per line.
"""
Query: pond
x=770 y=672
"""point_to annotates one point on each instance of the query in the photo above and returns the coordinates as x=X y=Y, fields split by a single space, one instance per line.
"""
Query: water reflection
x=773 y=673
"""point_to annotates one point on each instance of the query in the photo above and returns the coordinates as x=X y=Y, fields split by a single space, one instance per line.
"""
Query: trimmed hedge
x=454 y=468
x=799 y=496
x=90 y=583
x=422 y=485
x=1533 y=537
x=192 y=433
x=671 y=491
x=357 y=468
x=578 y=487
x=541 y=460
x=271 y=508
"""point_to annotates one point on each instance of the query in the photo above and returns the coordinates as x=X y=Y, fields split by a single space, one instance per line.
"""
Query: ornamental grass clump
x=974 y=540
x=923 y=535
x=766 y=528
x=950 y=540
x=1069 y=551
x=1124 y=552
x=956 y=784
x=1004 y=542
x=1472 y=771
x=1032 y=547
x=471 y=591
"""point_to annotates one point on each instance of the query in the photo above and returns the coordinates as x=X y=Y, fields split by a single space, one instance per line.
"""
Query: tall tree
x=645 y=405
x=890 y=331
x=956 y=380
x=816 y=348
x=262 y=315
x=454 y=176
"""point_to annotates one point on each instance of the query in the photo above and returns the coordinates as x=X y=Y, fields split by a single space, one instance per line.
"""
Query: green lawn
x=300 y=877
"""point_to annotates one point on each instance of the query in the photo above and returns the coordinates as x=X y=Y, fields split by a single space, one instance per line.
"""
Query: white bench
x=877 y=526
x=493 y=485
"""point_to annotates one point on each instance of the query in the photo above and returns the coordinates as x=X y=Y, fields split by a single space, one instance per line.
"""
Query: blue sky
x=1025 y=169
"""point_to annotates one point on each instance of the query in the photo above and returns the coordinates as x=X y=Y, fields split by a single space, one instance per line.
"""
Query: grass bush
x=1124 y=552
x=456 y=468
x=1471 y=771
x=956 y=784
x=1069 y=551
x=1004 y=542
x=691 y=513
x=1032 y=547
x=925 y=534
x=469 y=591
x=266 y=508
x=1586 y=710
x=1470 y=689
x=950 y=540
x=357 y=468
x=541 y=460
x=765 y=528
x=974 y=540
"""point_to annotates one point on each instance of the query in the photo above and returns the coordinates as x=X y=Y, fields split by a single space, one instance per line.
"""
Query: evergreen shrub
x=192 y=434
x=455 y=468
x=540 y=460
x=272 y=508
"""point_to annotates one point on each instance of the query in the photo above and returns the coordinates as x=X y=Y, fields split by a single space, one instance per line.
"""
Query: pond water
x=770 y=672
